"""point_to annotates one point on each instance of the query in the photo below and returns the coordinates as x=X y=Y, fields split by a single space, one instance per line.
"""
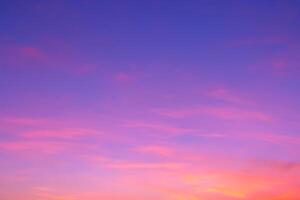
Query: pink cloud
x=123 y=77
x=273 y=138
x=226 y=95
x=32 y=52
x=64 y=133
x=226 y=112
x=279 y=165
x=50 y=193
x=24 y=121
x=278 y=65
x=231 y=113
x=174 y=180
x=48 y=146
x=143 y=165
x=55 y=54
x=113 y=163
x=176 y=113
x=125 y=164
x=84 y=69
x=156 y=150
x=20 y=54
x=49 y=141
x=156 y=126
x=23 y=146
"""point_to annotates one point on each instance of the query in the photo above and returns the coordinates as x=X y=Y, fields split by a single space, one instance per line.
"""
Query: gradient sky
x=143 y=100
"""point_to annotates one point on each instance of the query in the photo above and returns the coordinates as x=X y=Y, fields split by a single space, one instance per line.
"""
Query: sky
x=142 y=100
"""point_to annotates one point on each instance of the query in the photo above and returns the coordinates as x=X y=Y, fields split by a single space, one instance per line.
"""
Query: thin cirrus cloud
x=37 y=192
x=181 y=173
x=50 y=194
x=186 y=180
x=282 y=64
x=31 y=52
x=33 y=56
x=29 y=55
x=123 y=77
x=45 y=146
x=101 y=100
x=84 y=69
x=221 y=112
x=35 y=147
x=224 y=94
x=278 y=165
x=158 y=127
x=126 y=164
x=242 y=135
x=24 y=121
x=143 y=165
x=236 y=184
x=273 y=137
x=64 y=133
x=41 y=128
x=159 y=150
x=31 y=135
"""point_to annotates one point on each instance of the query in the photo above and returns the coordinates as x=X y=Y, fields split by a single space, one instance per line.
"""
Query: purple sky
x=166 y=100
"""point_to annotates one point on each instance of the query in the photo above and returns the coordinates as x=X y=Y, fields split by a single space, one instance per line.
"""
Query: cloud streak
x=221 y=112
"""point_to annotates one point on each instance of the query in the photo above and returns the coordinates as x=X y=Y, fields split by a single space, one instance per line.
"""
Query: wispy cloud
x=225 y=112
x=158 y=126
x=123 y=77
x=61 y=133
x=282 y=166
x=25 y=146
x=45 y=54
x=31 y=52
x=271 y=137
x=143 y=165
x=50 y=193
x=222 y=93
x=113 y=163
x=20 y=55
x=24 y=121
x=161 y=150
x=84 y=69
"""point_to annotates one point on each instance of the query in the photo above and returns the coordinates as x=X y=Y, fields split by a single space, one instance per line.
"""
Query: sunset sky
x=149 y=100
